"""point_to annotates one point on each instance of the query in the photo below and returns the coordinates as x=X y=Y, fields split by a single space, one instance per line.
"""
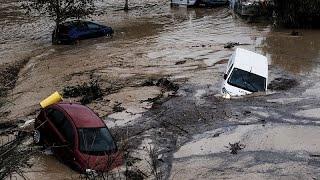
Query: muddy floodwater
x=191 y=127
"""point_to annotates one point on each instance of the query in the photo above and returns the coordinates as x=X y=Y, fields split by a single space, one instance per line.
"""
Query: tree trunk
x=126 y=6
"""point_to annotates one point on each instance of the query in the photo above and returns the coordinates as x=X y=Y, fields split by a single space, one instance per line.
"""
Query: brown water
x=148 y=41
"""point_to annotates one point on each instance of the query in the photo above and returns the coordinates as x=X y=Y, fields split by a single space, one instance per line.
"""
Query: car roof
x=82 y=116
x=251 y=62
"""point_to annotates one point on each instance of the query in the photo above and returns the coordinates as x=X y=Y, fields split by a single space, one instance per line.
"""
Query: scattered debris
x=234 y=148
x=154 y=163
x=281 y=84
x=132 y=160
x=134 y=175
x=201 y=46
x=118 y=108
x=15 y=155
x=295 y=33
x=222 y=61
x=7 y=125
x=217 y=134
x=246 y=113
x=180 y=62
x=231 y=44
x=315 y=155
x=163 y=83
x=88 y=92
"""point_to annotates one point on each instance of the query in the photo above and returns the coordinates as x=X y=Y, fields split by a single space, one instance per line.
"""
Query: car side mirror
x=225 y=76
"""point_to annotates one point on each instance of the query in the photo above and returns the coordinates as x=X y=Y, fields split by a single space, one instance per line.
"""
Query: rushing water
x=150 y=38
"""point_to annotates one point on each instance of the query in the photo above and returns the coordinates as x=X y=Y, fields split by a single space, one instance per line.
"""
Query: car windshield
x=247 y=81
x=96 y=140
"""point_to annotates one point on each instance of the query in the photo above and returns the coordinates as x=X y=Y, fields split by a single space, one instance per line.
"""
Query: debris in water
x=163 y=83
x=231 y=44
x=246 y=113
x=295 y=33
x=234 y=148
x=15 y=155
x=181 y=62
x=315 y=155
x=134 y=175
x=88 y=92
x=281 y=84
x=118 y=108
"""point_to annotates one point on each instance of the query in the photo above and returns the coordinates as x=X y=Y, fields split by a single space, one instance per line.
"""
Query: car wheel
x=37 y=137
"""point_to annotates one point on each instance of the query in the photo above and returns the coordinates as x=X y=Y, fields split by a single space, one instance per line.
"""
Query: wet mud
x=282 y=84
x=161 y=75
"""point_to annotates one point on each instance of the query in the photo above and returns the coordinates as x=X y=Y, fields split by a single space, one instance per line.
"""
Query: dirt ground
x=190 y=129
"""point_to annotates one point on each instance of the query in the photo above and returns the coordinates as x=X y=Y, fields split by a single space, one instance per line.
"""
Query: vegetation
x=61 y=10
x=298 y=13
x=126 y=6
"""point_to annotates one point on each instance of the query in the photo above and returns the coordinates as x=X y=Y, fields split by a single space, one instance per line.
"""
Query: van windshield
x=247 y=81
x=96 y=141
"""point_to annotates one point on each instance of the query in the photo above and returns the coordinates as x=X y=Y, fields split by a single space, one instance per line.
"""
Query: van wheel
x=37 y=139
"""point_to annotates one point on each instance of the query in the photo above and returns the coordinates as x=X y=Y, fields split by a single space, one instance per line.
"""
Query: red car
x=78 y=137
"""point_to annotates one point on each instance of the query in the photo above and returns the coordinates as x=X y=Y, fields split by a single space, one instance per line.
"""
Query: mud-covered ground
x=190 y=128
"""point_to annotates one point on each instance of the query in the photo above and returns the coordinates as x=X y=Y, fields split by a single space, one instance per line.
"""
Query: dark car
x=71 y=31
x=78 y=137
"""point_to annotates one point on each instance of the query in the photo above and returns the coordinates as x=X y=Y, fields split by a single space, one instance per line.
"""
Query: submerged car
x=71 y=31
x=247 y=72
x=78 y=137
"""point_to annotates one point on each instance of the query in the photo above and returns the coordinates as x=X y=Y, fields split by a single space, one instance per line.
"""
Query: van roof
x=251 y=62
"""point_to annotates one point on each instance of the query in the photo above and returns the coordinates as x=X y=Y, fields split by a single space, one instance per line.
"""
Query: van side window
x=61 y=122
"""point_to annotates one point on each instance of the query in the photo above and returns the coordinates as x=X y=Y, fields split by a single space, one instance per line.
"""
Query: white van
x=247 y=72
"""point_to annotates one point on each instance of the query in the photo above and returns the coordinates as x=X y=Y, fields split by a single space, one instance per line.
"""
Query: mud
x=176 y=56
x=282 y=84
x=9 y=75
